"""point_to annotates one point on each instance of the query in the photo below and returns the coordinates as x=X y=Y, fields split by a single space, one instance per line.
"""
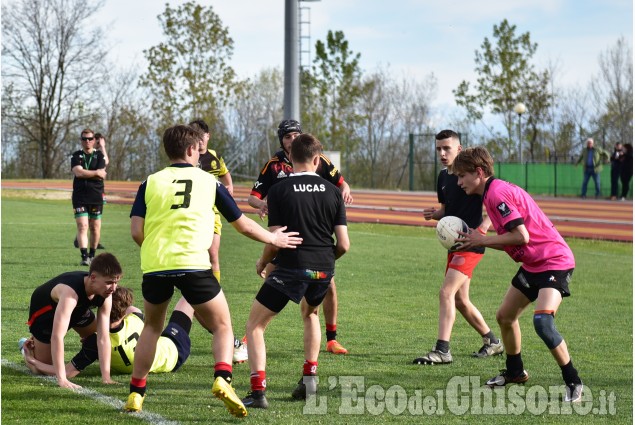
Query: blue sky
x=414 y=37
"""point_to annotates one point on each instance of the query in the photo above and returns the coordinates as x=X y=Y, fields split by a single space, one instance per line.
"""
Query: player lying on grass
x=126 y=324
x=65 y=302
x=525 y=233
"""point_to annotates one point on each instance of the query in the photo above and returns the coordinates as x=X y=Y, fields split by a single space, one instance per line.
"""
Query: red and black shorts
x=41 y=322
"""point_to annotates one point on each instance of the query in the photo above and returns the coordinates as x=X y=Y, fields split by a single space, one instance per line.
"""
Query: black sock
x=226 y=375
x=91 y=253
x=330 y=335
x=182 y=320
x=570 y=374
x=514 y=363
x=492 y=338
x=443 y=346
x=140 y=390
x=84 y=252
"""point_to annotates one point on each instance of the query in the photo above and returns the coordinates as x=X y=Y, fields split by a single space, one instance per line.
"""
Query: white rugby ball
x=447 y=231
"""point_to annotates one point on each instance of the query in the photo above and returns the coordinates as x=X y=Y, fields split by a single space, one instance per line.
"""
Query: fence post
x=411 y=164
x=555 y=177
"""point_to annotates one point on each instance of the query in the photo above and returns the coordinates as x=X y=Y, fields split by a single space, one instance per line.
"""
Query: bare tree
x=252 y=122
x=613 y=94
x=50 y=52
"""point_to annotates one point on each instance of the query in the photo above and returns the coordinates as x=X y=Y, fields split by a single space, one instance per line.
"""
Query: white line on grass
x=152 y=418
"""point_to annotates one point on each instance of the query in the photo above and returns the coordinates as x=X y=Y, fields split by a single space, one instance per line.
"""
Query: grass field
x=387 y=287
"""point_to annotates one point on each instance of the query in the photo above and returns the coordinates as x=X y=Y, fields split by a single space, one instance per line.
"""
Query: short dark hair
x=106 y=264
x=122 y=298
x=304 y=147
x=86 y=131
x=99 y=136
x=199 y=125
x=468 y=160
x=178 y=138
x=447 y=134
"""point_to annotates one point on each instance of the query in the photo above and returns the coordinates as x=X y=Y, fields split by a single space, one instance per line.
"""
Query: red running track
x=591 y=219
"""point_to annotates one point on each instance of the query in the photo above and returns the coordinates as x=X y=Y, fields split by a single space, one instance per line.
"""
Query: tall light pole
x=520 y=109
x=292 y=60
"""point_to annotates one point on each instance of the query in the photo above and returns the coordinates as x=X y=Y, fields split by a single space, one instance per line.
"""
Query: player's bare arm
x=346 y=193
x=67 y=301
x=343 y=243
x=81 y=173
x=103 y=340
x=136 y=229
x=433 y=213
x=516 y=236
x=247 y=227
x=226 y=180
x=259 y=204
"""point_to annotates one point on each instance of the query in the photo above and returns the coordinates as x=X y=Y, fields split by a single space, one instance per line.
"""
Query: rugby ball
x=447 y=231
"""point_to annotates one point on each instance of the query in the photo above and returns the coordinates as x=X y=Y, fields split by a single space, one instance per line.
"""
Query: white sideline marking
x=152 y=418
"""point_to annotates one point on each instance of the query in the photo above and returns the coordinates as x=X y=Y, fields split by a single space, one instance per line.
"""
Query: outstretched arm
x=278 y=238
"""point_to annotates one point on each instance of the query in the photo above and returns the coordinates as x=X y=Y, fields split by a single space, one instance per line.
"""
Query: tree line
x=57 y=79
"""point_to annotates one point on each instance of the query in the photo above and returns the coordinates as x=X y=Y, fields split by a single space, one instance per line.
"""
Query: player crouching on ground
x=314 y=208
x=65 y=302
x=126 y=323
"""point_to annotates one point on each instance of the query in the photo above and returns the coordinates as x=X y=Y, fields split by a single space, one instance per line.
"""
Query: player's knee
x=503 y=319
x=546 y=329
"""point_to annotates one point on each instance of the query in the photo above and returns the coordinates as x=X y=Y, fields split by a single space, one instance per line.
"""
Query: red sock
x=138 y=382
x=224 y=370
x=310 y=368
x=223 y=366
x=258 y=380
x=331 y=327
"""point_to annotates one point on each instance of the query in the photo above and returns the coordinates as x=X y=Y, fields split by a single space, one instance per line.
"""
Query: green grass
x=387 y=287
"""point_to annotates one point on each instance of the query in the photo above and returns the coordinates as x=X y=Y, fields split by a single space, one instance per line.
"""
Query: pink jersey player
x=525 y=233
x=508 y=206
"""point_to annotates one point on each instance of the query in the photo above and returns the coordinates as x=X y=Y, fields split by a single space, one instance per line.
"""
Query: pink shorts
x=465 y=262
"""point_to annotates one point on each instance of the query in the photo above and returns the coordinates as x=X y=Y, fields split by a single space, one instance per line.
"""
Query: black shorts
x=283 y=285
x=41 y=326
x=93 y=211
x=197 y=287
x=530 y=283
x=181 y=340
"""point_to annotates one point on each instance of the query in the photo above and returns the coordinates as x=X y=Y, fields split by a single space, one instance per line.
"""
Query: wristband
x=481 y=231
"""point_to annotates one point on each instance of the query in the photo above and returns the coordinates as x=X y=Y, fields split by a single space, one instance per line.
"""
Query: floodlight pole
x=292 y=59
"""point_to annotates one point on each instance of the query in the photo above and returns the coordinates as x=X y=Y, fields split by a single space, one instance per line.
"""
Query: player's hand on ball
x=470 y=239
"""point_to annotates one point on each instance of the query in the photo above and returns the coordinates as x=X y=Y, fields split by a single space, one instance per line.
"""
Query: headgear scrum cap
x=288 y=126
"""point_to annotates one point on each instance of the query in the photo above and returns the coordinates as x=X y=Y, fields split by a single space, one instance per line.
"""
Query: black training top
x=469 y=208
x=310 y=205
x=88 y=191
x=41 y=300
